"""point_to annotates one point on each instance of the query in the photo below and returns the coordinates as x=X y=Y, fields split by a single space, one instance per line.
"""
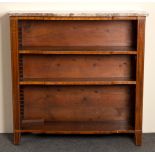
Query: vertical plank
x=139 y=80
x=15 y=78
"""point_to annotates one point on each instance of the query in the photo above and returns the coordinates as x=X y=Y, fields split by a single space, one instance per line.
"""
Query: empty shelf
x=77 y=81
x=91 y=127
x=78 y=50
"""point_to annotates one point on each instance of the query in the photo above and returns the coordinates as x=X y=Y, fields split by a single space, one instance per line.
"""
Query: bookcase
x=77 y=73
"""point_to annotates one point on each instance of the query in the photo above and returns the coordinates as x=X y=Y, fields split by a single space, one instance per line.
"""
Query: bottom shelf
x=92 y=127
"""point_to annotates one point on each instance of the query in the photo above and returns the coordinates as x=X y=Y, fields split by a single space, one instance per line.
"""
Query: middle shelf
x=78 y=81
x=86 y=50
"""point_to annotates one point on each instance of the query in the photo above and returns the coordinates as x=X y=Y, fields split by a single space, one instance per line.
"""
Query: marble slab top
x=74 y=14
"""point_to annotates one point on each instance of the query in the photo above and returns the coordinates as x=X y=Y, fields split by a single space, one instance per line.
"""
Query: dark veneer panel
x=79 y=103
x=78 y=66
x=78 y=33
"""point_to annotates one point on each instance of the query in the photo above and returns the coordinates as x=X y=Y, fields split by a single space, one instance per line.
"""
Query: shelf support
x=16 y=138
x=138 y=138
x=139 y=80
x=15 y=77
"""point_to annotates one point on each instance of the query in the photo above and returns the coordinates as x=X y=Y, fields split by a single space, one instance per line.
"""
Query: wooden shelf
x=91 y=127
x=77 y=76
x=78 y=81
x=78 y=50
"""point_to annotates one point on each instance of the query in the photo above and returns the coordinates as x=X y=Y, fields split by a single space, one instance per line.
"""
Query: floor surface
x=76 y=143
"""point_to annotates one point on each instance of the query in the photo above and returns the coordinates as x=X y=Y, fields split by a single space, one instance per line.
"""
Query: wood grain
x=78 y=33
x=78 y=103
x=106 y=127
x=139 y=79
x=77 y=81
x=15 y=78
x=78 y=66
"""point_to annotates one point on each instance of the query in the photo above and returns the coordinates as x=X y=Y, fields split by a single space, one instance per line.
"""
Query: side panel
x=15 y=77
x=139 y=81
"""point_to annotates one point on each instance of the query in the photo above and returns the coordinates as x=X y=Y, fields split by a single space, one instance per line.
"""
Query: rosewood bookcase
x=77 y=73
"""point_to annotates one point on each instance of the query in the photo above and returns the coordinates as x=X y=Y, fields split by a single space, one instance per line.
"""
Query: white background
x=71 y=6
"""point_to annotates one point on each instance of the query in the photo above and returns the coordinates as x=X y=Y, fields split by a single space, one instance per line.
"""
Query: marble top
x=72 y=14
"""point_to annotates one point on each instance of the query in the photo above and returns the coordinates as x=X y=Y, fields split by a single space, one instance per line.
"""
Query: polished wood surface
x=77 y=75
x=77 y=81
x=78 y=33
x=139 y=79
x=79 y=103
x=15 y=79
x=91 y=127
x=78 y=66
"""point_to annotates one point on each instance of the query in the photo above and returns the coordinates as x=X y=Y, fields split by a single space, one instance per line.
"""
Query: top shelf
x=78 y=50
x=104 y=13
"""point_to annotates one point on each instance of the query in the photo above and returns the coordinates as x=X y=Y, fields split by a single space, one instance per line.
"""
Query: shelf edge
x=77 y=52
x=76 y=83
